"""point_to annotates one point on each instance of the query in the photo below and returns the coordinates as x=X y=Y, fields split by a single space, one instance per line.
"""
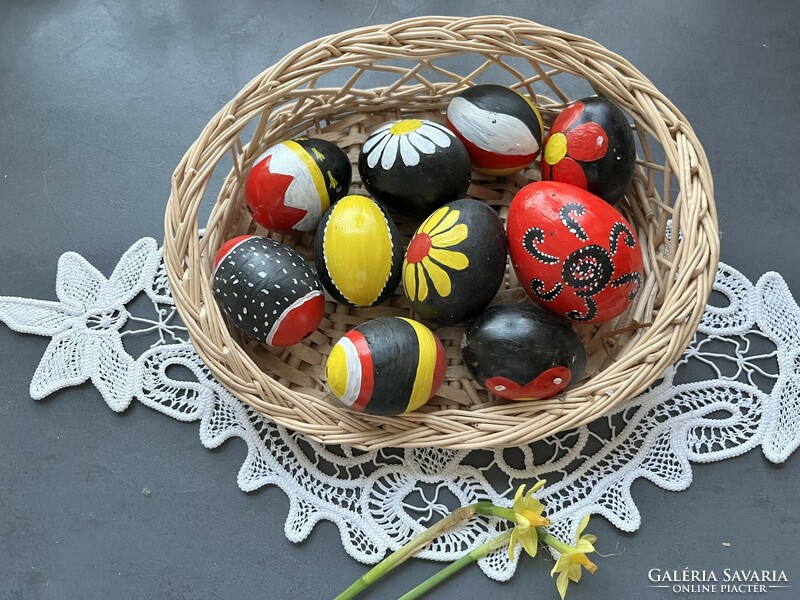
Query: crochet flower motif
x=85 y=324
x=407 y=139
x=427 y=254
x=566 y=144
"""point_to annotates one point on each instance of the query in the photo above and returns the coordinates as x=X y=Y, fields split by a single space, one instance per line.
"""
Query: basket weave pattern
x=672 y=191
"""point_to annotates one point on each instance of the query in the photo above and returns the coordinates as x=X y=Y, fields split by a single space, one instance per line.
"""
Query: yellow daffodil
x=527 y=516
x=427 y=257
x=568 y=566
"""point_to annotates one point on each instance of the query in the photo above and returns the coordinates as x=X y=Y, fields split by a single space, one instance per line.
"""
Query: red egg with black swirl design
x=574 y=254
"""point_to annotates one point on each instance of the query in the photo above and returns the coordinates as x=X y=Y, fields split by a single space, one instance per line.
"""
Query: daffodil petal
x=512 y=544
x=439 y=277
x=523 y=524
x=539 y=485
x=574 y=573
x=422 y=284
x=451 y=237
x=410 y=280
x=432 y=221
x=561 y=584
x=584 y=546
x=529 y=543
x=590 y=538
x=446 y=223
x=519 y=504
x=584 y=522
x=450 y=259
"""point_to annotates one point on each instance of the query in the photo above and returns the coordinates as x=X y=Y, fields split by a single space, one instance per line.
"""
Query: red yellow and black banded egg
x=267 y=290
x=501 y=129
x=386 y=366
x=293 y=183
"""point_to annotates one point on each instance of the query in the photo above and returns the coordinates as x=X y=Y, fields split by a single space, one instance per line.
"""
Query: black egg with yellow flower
x=413 y=166
x=455 y=263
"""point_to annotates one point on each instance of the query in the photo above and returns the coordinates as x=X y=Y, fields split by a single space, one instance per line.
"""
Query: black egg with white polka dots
x=259 y=282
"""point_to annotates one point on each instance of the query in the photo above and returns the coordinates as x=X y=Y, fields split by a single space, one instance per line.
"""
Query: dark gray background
x=98 y=102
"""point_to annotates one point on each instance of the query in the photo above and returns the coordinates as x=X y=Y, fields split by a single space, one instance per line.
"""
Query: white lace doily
x=747 y=351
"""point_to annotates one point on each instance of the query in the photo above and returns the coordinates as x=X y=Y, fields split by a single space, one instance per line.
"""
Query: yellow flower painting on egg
x=428 y=257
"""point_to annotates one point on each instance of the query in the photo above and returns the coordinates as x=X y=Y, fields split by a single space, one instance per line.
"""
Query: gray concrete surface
x=99 y=100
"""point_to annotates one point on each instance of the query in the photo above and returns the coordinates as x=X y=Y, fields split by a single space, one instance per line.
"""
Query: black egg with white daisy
x=414 y=166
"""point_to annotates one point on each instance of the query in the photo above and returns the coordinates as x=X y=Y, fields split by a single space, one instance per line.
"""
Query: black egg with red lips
x=522 y=352
x=267 y=290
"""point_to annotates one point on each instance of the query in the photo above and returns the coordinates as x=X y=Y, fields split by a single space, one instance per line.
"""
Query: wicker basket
x=340 y=88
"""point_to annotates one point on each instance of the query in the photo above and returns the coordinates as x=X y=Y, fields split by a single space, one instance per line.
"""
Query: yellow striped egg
x=386 y=366
x=358 y=252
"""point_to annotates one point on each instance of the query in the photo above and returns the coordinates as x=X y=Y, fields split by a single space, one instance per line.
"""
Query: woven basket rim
x=494 y=426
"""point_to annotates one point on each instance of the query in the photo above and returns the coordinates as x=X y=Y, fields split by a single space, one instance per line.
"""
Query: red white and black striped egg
x=386 y=366
x=293 y=183
x=501 y=129
x=267 y=290
x=522 y=352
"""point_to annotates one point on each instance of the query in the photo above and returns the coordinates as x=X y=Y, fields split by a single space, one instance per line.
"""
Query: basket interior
x=342 y=99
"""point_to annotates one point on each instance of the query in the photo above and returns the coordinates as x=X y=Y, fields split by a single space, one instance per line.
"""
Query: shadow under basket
x=342 y=87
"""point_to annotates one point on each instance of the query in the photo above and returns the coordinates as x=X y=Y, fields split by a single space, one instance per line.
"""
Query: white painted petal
x=375 y=155
x=389 y=153
x=374 y=139
x=407 y=153
x=421 y=143
x=435 y=134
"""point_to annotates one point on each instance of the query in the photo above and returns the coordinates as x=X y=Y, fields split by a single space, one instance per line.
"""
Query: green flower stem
x=407 y=551
x=455 y=567
x=490 y=510
x=553 y=542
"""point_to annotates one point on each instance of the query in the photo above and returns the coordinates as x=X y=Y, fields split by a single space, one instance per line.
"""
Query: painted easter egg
x=292 y=184
x=358 y=252
x=522 y=352
x=414 y=166
x=267 y=290
x=574 y=253
x=455 y=262
x=501 y=128
x=591 y=145
x=386 y=366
